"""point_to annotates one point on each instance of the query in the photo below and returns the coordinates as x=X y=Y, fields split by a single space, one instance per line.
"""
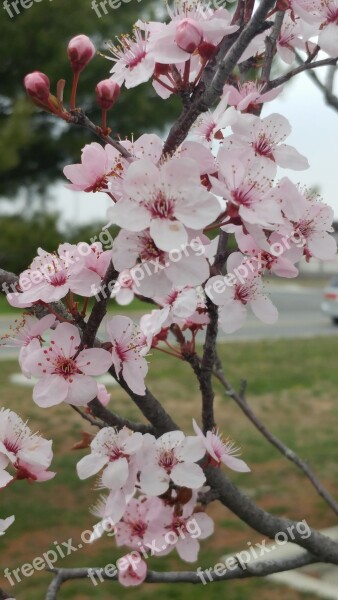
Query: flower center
x=138 y=528
x=58 y=279
x=167 y=460
x=161 y=207
x=263 y=146
x=65 y=367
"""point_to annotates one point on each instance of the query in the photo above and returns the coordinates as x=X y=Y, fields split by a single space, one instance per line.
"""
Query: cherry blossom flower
x=115 y=452
x=248 y=94
x=309 y=219
x=132 y=570
x=103 y=395
x=160 y=271
x=263 y=139
x=134 y=64
x=164 y=38
x=220 y=450
x=51 y=276
x=293 y=35
x=110 y=510
x=239 y=289
x=324 y=15
x=210 y=124
x=167 y=199
x=65 y=373
x=128 y=350
x=144 y=521
x=242 y=182
x=5 y=523
x=30 y=454
x=97 y=165
x=190 y=527
x=27 y=329
x=173 y=457
x=125 y=288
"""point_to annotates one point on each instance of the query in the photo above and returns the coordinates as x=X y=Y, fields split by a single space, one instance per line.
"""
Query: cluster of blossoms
x=154 y=487
x=223 y=179
x=28 y=455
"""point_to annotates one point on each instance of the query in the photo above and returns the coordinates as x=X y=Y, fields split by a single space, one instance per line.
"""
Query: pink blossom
x=98 y=163
x=134 y=64
x=124 y=288
x=144 y=521
x=128 y=350
x=51 y=276
x=115 y=452
x=167 y=199
x=308 y=219
x=210 y=124
x=5 y=523
x=292 y=36
x=132 y=570
x=250 y=93
x=239 y=289
x=324 y=15
x=65 y=373
x=188 y=35
x=102 y=394
x=263 y=139
x=173 y=456
x=220 y=450
x=243 y=183
x=110 y=510
x=30 y=454
x=190 y=527
x=159 y=271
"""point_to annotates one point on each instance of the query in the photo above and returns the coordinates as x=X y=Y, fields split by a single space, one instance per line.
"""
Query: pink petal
x=188 y=475
x=95 y=361
x=50 y=390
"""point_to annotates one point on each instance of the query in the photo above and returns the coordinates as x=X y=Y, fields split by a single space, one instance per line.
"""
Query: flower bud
x=107 y=93
x=37 y=86
x=80 y=52
x=188 y=35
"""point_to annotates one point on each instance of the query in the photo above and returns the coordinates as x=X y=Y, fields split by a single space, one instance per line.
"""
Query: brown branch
x=113 y=420
x=270 y=46
x=303 y=67
x=79 y=118
x=207 y=93
x=254 y=569
x=272 y=439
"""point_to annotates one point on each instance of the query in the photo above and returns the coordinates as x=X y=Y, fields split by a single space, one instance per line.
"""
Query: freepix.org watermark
x=102 y=7
x=15 y=7
x=254 y=552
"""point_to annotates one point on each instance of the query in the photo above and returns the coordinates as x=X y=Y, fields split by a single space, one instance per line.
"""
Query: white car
x=330 y=301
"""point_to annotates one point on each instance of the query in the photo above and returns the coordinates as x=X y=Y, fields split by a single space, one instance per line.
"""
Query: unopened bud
x=188 y=35
x=107 y=93
x=37 y=86
x=80 y=52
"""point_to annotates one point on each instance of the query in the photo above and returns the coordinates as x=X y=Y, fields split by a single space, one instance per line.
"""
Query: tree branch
x=304 y=67
x=272 y=439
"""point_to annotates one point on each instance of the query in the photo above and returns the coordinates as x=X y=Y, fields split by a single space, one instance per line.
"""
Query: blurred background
x=291 y=367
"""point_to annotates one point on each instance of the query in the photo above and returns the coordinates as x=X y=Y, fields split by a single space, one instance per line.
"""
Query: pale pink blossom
x=249 y=93
x=125 y=288
x=168 y=199
x=172 y=457
x=220 y=450
x=110 y=510
x=144 y=521
x=132 y=570
x=30 y=454
x=323 y=14
x=65 y=374
x=308 y=219
x=238 y=290
x=5 y=523
x=243 y=184
x=159 y=271
x=190 y=527
x=128 y=350
x=97 y=165
x=209 y=126
x=51 y=276
x=292 y=36
x=103 y=395
x=134 y=64
x=115 y=452
x=263 y=138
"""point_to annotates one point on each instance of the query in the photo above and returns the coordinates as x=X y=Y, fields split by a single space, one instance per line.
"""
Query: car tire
x=335 y=321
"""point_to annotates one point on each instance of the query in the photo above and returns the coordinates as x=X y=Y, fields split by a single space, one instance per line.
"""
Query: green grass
x=291 y=386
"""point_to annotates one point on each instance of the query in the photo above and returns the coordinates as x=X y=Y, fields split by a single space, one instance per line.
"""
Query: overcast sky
x=314 y=134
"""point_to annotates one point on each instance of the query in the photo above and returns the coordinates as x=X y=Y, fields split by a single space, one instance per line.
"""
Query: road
x=299 y=317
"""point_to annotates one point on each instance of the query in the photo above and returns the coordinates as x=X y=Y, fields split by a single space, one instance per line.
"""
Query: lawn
x=292 y=385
